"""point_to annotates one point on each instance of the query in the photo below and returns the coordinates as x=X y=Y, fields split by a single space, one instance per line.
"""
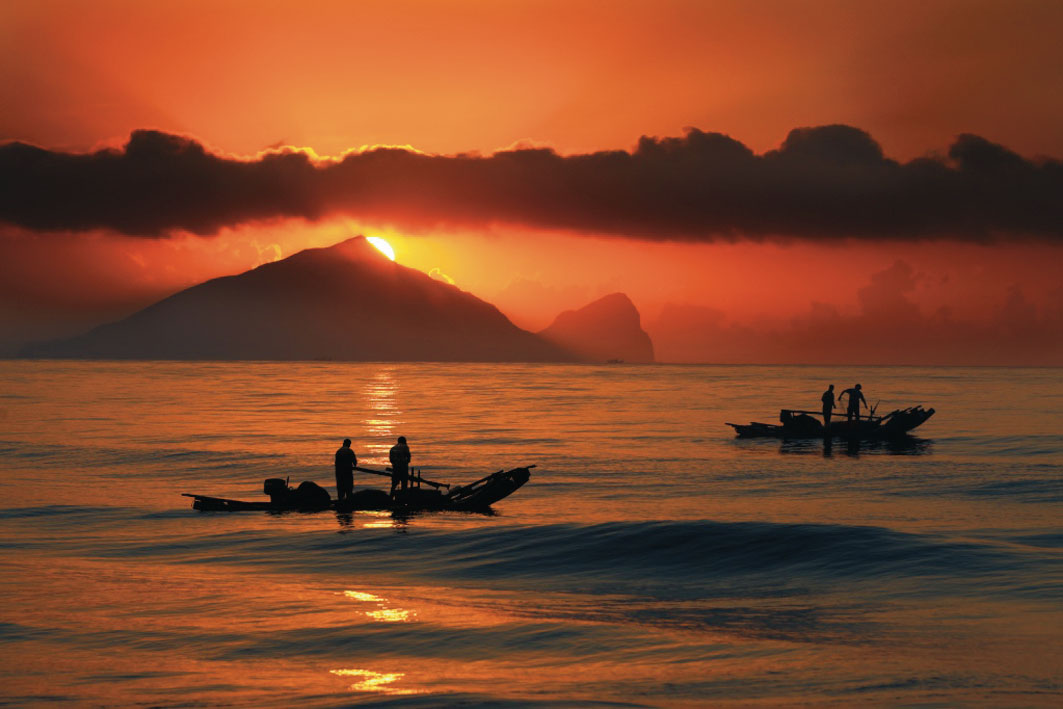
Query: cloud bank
x=826 y=182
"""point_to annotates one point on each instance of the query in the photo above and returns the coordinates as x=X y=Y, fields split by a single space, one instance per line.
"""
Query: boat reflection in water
x=371 y=519
x=906 y=445
x=397 y=520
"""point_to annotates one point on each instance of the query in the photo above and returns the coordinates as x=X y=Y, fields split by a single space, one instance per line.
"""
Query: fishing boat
x=795 y=423
x=421 y=494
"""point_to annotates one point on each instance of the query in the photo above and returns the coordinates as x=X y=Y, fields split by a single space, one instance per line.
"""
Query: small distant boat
x=477 y=496
x=796 y=423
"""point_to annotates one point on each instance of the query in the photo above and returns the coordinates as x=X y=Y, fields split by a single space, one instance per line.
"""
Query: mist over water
x=652 y=560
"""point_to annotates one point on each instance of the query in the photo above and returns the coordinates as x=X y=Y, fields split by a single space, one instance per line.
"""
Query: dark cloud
x=824 y=182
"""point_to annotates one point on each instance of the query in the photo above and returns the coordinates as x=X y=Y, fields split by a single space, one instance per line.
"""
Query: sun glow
x=383 y=246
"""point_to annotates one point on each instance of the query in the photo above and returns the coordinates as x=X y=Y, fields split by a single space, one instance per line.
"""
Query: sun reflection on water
x=381 y=520
x=374 y=681
x=382 y=613
x=389 y=615
x=380 y=393
x=360 y=596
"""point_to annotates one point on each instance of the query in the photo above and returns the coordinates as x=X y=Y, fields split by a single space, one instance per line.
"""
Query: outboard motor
x=277 y=489
x=308 y=496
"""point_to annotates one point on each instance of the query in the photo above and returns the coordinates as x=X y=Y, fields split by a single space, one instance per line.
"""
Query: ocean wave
x=1023 y=446
x=1026 y=490
x=665 y=559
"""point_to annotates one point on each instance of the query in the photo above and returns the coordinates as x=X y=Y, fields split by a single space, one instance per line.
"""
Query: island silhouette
x=346 y=302
x=609 y=329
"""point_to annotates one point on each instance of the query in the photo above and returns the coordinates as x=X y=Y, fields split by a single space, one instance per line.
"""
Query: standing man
x=400 y=464
x=828 y=407
x=855 y=398
x=345 y=462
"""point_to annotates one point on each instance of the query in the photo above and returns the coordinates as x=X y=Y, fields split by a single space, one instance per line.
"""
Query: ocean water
x=652 y=560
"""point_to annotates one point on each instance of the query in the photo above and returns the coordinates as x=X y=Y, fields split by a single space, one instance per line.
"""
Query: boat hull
x=895 y=424
x=477 y=496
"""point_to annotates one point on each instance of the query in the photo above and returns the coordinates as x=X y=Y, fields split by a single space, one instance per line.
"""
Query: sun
x=383 y=246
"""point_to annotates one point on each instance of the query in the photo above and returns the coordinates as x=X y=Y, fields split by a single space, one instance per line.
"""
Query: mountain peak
x=607 y=329
x=347 y=301
x=356 y=248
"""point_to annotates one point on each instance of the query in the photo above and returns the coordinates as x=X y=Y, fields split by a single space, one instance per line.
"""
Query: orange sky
x=450 y=77
x=453 y=76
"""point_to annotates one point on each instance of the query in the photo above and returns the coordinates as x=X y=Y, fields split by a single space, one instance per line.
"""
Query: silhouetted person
x=828 y=407
x=345 y=462
x=855 y=398
x=400 y=464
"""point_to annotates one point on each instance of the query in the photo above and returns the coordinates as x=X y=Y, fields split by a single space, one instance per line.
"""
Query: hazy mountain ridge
x=344 y=302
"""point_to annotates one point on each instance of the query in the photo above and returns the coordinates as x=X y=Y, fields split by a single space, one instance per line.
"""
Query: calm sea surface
x=652 y=560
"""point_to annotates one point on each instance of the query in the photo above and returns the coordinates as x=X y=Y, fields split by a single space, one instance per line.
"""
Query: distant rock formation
x=345 y=302
x=608 y=329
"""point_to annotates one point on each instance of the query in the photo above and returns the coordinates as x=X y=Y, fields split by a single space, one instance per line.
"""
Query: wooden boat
x=795 y=423
x=308 y=497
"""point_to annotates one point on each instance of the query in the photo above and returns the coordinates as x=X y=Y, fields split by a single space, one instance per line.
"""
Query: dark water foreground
x=653 y=560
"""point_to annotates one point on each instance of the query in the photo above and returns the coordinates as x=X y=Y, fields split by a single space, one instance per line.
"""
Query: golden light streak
x=361 y=596
x=389 y=615
x=383 y=615
x=374 y=681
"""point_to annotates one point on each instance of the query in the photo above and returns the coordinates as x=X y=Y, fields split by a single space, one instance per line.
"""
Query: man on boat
x=855 y=398
x=400 y=465
x=345 y=462
x=828 y=407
